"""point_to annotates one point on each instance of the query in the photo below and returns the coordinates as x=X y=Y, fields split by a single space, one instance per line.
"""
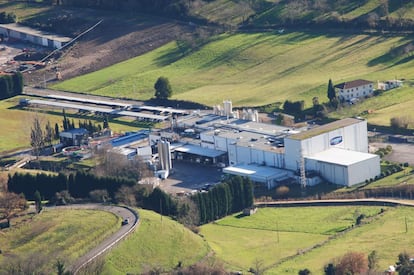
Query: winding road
x=124 y=230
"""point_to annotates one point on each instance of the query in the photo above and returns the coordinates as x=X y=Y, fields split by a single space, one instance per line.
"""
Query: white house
x=349 y=91
x=389 y=84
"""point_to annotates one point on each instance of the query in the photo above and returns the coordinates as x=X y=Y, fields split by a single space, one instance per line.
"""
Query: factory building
x=336 y=152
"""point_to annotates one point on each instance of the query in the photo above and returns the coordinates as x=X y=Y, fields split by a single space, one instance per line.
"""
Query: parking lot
x=190 y=176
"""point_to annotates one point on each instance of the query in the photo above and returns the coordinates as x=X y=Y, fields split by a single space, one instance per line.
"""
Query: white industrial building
x=336 y=152
x=23 y=33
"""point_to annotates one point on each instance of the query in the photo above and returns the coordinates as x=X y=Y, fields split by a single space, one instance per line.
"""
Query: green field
x=256 y=69
x=281 y=239
x=386 y=235
x=16 y=123
x=53 y=234
x=157 y=242
x=240 y=242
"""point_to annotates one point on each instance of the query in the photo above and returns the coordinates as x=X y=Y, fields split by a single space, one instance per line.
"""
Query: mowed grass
x=386 y=235
x=157 y=242
x=57 y=233
x=273 y=234
x=252 y=69
x=16 y=123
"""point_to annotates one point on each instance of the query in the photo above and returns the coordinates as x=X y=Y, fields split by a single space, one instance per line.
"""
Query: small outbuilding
x=73 y=137
x=249 y=211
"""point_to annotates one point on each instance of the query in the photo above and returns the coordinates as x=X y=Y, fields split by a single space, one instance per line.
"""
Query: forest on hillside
x=358 y=14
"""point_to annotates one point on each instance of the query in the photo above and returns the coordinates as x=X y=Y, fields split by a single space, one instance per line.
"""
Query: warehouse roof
x=199 y=151
x=325 y=128
x=34 y=32
x=341 y=156
x=257 y=173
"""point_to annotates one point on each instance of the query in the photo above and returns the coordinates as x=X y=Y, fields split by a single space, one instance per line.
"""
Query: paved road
x=299 y=203
x=124 y=230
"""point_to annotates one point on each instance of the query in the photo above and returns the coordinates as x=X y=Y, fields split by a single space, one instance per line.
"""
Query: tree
x=304 y=272
x=331 y=91
x=329 y=269
x=36 y=136
x=351 y=263
x=404 y=264
x=66 y=123
x=162 y=88
x=258 y=267
x=9 y=203
x=17 y=83
x=56 y=130
x=105 y=122
x=48 y=134
x=38 y=201
x=60 y=267
x=373 y=260
x=282 y=191
x=99 y=195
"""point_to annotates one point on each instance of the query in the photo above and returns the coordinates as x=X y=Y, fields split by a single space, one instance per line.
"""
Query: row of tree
x=79 y=184
x=11 y=85
x=230 y=196
x=172 y=8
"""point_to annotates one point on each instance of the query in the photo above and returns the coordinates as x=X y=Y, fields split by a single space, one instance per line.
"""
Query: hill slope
x=252 y=69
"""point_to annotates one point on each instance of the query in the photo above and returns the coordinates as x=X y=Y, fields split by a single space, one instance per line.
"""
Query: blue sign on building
x=336 y=140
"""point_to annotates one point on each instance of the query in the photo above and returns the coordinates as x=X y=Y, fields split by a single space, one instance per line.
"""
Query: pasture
x=273 y=234
x=55 y=234
x=385 y=234
x=158 y=242
x=257 y=69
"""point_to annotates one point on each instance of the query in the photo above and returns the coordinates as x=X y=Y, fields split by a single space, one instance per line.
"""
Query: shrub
x=282 y=191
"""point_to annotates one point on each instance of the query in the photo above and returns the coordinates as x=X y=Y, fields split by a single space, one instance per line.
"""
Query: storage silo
x=164 y=154
x=228 y=107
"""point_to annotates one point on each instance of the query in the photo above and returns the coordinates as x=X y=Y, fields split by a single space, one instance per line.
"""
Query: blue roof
x=129 y=137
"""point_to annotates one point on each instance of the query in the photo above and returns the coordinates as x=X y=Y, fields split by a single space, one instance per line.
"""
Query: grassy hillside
x=254 y=69
x=278 y=238
x=386 y=235
x=273 y=234
x=157 y=242
x=55 y=234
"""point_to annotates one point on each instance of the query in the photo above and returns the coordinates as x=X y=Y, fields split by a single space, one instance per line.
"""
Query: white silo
x=256 y=116
x=228 y=107
x=217 y=110
x=249 y=115
x=244 y=114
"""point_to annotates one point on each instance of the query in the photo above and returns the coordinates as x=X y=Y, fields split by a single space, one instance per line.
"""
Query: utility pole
x=277 y=231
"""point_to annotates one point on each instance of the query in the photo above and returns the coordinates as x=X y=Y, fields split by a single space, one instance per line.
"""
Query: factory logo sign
x=336 y=140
